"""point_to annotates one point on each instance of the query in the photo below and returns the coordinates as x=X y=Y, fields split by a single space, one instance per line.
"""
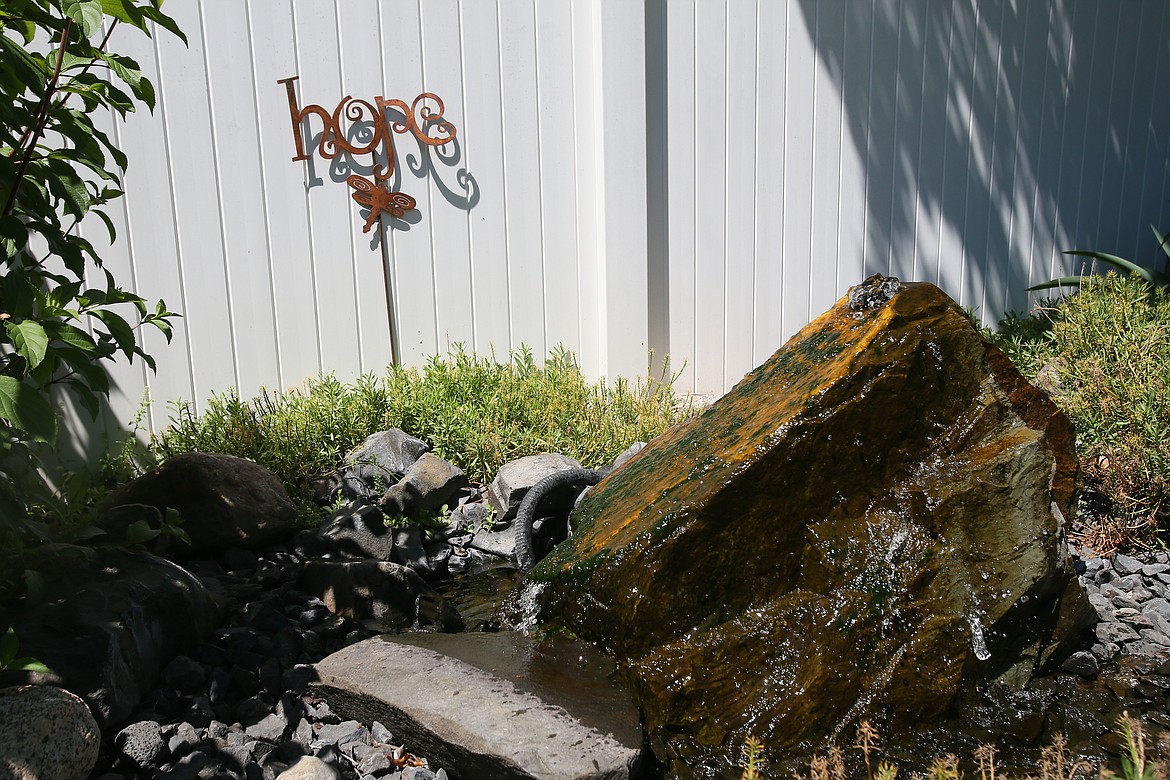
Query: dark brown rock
x=107 y=626
x=395 y=596
x=870 y=520
x=223 y=501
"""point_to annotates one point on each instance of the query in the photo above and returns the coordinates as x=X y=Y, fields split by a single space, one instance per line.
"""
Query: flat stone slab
x=474 y=723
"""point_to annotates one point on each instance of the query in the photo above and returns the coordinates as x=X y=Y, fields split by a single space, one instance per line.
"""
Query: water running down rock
x=867 y=524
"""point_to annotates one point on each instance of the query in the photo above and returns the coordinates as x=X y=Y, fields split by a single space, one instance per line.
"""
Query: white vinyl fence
x=696 y=178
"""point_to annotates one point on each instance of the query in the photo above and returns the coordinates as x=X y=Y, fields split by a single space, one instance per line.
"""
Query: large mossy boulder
x=870 y=521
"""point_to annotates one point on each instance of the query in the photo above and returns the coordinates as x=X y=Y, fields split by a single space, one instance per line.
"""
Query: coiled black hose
x=525 y=557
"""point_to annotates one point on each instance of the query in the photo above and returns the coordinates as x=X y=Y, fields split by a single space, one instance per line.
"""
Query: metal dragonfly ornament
x=422 y=118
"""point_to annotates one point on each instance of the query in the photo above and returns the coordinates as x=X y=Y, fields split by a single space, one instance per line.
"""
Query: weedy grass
x=476 y=412
x=1056 y=761
x=1103 y=355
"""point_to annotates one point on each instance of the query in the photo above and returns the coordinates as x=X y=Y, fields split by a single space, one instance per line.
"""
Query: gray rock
x=514 y=479
x=380 y=734
x=1147 y=649
x=418 y=773
x=1115 y=633
x=1140 y=593
x=409 y=550
x=48 y=734
x=303 y=734
x=1155 y=636
x=270 y=728
x=464 y=718
x=1152 y=569
x=1083 y=663
x=107 y=627
x=1157 y=606
x=359 y=529
x=1106 y=651
x=374 y=762
x=501 y=544
x=1122 y=601
x=1093 y=565
x=1100 y=602
x=393 y=595
x=469 y=518
x=223 y=501
x=183 y=740
x=308 y=768
x=184 y=673
x=1125 y=565
x=341 y=734
x=379 y=461
x=1159 y=623
x=142 y=743
x=428 y=485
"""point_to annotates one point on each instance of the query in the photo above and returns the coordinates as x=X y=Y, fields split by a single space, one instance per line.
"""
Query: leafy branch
x=62 y=315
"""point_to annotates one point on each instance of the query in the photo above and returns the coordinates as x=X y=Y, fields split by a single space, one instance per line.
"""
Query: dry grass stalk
x=868 y=743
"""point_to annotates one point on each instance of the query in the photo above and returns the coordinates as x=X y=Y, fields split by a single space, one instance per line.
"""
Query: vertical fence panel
x=485 y=145
x=196 y=196
x=800 y=65
x=767 y=281
x=450 y=193
x=740 y=166
x=710 y=214
x=558 y=174
x=521 y=157
x=824 y=245
x=241 y=196
x=285 y=194
x=683 y=187
x=329 y=208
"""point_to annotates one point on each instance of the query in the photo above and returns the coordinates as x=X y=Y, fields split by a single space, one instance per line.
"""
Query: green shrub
x=63 y=317
x=1103 y=354
x=475 y=412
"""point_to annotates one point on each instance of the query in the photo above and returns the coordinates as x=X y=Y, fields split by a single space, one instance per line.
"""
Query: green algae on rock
x=870 y=520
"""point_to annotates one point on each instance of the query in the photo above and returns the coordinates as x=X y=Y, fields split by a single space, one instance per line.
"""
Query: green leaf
x=71 y=335
x=119 y=330
x=1163 y=241
x=87 y=13
x=164 y=21
x=27 y=409
x=129 y=71
x=33 y=72
x=1064 y=281
x=9 y=644
x=29 y=665
x=140 y=531
x=124 y=11
x=30 y=340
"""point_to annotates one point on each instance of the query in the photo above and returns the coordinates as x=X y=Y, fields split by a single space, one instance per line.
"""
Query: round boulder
x=223 y=501
x=48 y=734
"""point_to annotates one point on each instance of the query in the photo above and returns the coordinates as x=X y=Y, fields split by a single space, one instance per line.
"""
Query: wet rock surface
x=462 y=715
x=895 y=493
